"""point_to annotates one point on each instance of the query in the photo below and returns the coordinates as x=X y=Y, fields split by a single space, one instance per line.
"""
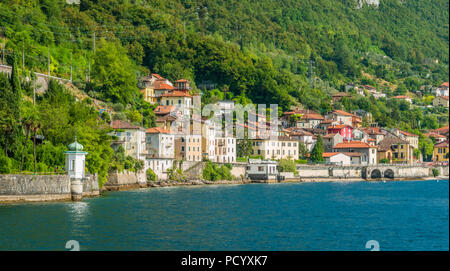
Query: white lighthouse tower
x=75 y=163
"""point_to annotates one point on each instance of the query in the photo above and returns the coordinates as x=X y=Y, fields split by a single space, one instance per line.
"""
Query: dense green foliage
x=151 y=175
x=287 y=165
x=56 y=117
x=213 y=172
x=317 y=151
x=258 y=50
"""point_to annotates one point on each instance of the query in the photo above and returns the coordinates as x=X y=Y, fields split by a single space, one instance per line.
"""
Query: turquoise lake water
x=411 y=215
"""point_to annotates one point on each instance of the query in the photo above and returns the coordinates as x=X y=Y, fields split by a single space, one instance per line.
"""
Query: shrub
x=435 y=172
x=151 y=175
x=5 y=164
x=212 y=172
x=118 y=107
x=384 y=161
x=286 y=165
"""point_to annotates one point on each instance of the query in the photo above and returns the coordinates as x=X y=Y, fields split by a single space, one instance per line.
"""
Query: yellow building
x=283 y=148
x=149 y=94
x=440 y=152
x=395 y=150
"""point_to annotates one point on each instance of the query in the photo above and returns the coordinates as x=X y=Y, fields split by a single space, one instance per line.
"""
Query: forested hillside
x=265 y=51
x=249 y=47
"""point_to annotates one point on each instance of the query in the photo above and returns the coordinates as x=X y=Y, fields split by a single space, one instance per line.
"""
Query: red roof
x=177 y=93
x=434 y=135
x=442 y=144
x=342 y=113
x=158 y=76
x=118 y=124
x=163 y=109
x=352 y=145
x=330 y=154
x=407 y=133
x=312 y=116
x=181 y=81
x=162 y=85
x=157 y=130
x=338 y=126
x=445 y=84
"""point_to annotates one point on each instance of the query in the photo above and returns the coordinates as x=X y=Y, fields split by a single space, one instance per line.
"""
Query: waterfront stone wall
x=313 y=172
x=443 y=171
x=118 y=180
x=90 y=186
x=23 y=188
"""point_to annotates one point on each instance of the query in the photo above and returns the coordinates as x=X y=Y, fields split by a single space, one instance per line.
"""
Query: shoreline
x=9 y=199
x=159 y=184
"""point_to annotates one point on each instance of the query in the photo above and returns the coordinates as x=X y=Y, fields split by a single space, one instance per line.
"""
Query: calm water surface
x=303 y=216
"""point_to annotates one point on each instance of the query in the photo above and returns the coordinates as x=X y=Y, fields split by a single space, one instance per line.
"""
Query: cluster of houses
x=345 y=141
x=440 y=93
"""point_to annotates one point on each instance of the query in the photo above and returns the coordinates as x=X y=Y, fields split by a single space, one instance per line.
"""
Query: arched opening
x=389 y=173
x=376 y=174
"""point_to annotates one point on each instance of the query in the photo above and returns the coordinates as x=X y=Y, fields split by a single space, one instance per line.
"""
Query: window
x=260 y=169
x=182 y=148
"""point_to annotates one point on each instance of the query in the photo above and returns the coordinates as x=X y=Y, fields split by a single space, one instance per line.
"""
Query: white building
x=160 y=151
x=261 y=169
x=225 y=149
x=442 y=90
x=75 y=160
x=342 y=158
x=368 y=152
x=130 y=137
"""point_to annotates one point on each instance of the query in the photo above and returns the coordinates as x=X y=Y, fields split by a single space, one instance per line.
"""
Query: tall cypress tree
x=317 y=151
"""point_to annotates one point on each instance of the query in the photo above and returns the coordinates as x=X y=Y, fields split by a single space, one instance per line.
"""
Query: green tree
x=112 y=73
x=317 y=151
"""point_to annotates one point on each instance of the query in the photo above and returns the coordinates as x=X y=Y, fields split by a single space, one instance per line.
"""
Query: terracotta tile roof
x=181 y=81
x=351 y=154
x=434 y=135
x=342 y=113
x=162 y=85
x=342 y=126
x=157 y=130
x=158 y=76
x=165 y=118
x=301 y=133
x=441 y=130
x=445 y=84
x=163 y=109
x=352 y=145
x=118 y=124
x=407 y=133
x=372 y=130
x=329 y=154
x=442 y=144
x=341 y=94
x=443 y=97
x=386 y=143
x=313 y=116
x=177 y=93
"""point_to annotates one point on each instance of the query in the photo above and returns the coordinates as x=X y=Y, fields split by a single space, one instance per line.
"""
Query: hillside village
x=345 y=141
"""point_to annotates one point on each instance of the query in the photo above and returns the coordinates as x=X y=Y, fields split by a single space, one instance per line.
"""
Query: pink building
x=344 y=130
